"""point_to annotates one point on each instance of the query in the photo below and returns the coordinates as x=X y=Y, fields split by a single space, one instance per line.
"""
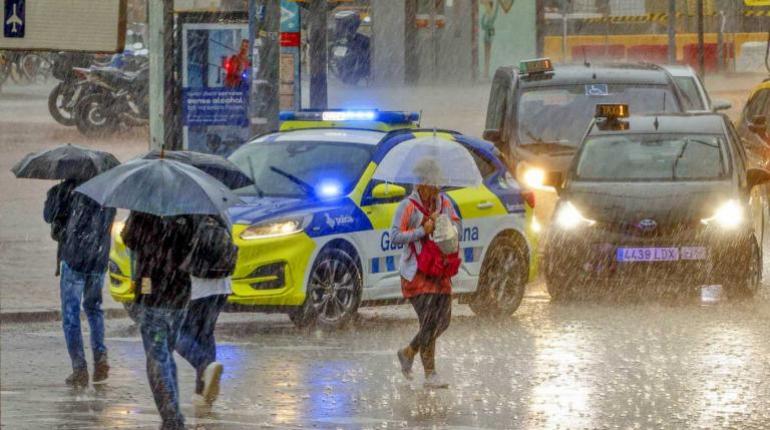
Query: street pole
x=318 y=85
x=161 y=47
x=701 y=45
x=671 y=31
x=264 y=99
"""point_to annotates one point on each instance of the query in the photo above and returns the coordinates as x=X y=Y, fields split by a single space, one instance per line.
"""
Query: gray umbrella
x=219 y=167
x=160 y=187
x=65 y=162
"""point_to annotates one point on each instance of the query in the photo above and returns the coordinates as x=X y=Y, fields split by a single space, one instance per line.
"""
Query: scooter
x=349 y=53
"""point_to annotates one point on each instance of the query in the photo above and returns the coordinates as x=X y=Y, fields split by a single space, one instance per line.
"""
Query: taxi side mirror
x=757 y=176
x=758 y=124
x=492 y=135
x=388 y=191
x=720 y=105
x=553 y=179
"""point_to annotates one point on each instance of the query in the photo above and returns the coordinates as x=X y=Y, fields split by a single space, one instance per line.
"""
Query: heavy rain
x=384 y=214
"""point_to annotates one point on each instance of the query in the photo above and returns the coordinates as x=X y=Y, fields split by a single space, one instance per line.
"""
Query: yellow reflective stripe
x=361 y=125
x=441 y=134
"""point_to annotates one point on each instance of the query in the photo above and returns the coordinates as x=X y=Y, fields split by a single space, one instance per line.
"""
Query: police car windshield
x=652 y=157
x=302 y=168
x=561 y=114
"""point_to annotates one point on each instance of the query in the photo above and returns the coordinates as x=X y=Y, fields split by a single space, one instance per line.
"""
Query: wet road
x=609 y=364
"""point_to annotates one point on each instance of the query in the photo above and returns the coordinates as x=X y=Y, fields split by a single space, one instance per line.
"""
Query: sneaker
x=199 y=401
x=406 y=364
x=101 y=371
x=211 y=377
x=433 y=381
x=78 y=379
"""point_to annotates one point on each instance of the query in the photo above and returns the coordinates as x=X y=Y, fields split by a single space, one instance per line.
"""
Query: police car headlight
x=568 y=217
x=275 y=228
x=728 y=216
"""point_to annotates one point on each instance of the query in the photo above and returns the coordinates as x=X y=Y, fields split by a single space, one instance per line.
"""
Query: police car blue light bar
x=390 y=117
x=538 y=65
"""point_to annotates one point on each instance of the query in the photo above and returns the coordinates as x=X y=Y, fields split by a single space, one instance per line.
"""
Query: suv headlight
x=532 y=176
x=276 y=228
x=728 y=216
x=568 y=217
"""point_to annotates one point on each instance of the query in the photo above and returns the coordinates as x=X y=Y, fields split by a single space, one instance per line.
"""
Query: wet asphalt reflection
x=668 y=362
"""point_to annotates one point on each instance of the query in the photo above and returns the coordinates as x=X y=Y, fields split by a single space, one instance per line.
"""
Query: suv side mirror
x=388 y=191
x=553 y=179
x=492 y=135
x=758 y=124
x=756 y=176
x=719 y=105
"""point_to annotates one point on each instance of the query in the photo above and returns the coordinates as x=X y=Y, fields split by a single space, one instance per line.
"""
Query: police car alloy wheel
x=333 y=291
x=503 y=278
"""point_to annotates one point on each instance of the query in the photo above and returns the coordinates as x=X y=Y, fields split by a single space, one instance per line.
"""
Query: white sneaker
x=198 y=401
x=211 y=378
x=434 y=381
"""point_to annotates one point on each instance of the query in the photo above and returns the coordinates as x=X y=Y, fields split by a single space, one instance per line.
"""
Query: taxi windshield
x=301 y=169
x=560 y=114
x=652 y=157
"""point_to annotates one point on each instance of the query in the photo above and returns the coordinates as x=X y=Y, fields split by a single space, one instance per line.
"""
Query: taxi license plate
x=661 y=254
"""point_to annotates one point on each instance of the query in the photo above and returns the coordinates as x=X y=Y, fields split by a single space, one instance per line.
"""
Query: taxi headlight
x=727 y=216
x=275 y=228
x=568 y=217
x=532 y=177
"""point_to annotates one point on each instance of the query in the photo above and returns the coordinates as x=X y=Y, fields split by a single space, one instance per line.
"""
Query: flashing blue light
x=349 y=115
x=329 y=189
x=389 y=117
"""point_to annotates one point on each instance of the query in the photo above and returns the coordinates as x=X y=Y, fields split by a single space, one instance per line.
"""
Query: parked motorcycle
x=349 y=52
x=123 y=101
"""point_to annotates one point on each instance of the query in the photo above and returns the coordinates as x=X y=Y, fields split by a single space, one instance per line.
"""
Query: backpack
x=213 y=253
x=431 y=261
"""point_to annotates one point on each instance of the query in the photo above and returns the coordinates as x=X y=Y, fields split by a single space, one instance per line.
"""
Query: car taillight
x=529 y=197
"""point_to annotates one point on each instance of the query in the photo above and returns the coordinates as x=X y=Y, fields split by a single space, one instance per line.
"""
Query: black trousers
x=434 y=312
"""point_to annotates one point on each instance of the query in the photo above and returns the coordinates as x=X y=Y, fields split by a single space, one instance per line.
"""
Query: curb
x=52 y=315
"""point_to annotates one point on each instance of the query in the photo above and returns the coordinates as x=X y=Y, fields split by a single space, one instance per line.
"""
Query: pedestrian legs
x=71 y=286
x=434 y=312
x=196 y=342
x=159 y=327
x=92 y=305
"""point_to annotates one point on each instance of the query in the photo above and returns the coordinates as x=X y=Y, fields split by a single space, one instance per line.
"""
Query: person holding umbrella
x=82 y=229
x=427 y=263
x=164 y=197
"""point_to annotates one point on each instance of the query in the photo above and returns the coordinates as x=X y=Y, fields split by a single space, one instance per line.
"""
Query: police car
x=314 y=231
x=661 y=197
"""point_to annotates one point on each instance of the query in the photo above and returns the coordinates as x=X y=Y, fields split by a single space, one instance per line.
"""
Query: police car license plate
x=661 y=254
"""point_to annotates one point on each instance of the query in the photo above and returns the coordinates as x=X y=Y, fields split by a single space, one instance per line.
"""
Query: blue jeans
x=159 y=328
x=74 y=287
x=196 y=342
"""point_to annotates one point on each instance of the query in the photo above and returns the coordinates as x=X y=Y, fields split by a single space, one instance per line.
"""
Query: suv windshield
x=561 y=114
x=653 y=157
x=301 y=168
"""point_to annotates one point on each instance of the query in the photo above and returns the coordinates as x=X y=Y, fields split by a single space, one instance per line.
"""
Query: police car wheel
x=747 y=285
x=503 y=279
x=333 y=291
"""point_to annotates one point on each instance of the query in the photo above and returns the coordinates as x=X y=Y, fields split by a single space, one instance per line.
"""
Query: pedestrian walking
x=82 y=229
x=159 y=246
x=425 y=270
x=210 y=264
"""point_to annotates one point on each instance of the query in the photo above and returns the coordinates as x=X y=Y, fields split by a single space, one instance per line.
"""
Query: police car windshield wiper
x=304 y=186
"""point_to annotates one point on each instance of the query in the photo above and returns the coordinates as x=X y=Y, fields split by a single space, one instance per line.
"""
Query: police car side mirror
x=758 y=124
x=388 y=191
x=719 y=105
x=756 y=176
x=492 y=135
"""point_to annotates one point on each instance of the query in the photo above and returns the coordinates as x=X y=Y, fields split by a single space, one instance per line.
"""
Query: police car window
x=561 y=114
x=692 y=99
x=302 y=168
x=653 y=157
x=485 y=166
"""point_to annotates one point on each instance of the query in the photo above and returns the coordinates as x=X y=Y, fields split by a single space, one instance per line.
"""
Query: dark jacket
x=159 y=246
x=86 y=247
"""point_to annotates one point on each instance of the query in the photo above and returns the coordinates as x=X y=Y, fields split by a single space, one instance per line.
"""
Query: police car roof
x=613 y=73
x=371 y=137
x=669 y=123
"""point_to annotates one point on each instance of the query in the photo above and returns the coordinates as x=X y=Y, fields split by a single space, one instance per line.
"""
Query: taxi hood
x=665 y=202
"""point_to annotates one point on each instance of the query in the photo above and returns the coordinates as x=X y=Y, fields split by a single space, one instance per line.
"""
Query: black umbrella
x=65 y=162
x=221 y=168
x=160 y=187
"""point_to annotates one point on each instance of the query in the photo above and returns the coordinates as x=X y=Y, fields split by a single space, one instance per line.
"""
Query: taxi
x=668 y=198
x=313 y=231
x=752 y=125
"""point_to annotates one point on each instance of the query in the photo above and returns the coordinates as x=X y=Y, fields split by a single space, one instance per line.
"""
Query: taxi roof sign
x=538 y=65
x=611 y=110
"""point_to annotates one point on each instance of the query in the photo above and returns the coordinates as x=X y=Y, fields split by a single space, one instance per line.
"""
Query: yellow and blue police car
x=314 y=230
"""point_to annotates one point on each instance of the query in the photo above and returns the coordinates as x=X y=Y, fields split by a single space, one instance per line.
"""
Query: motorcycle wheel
x=58 y=100
x=95 y=117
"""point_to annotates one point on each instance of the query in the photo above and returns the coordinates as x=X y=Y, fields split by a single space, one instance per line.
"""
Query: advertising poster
x=289 y=88
x=215 y=88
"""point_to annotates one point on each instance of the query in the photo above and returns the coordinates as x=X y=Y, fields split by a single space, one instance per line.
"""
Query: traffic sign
x=58 y=25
